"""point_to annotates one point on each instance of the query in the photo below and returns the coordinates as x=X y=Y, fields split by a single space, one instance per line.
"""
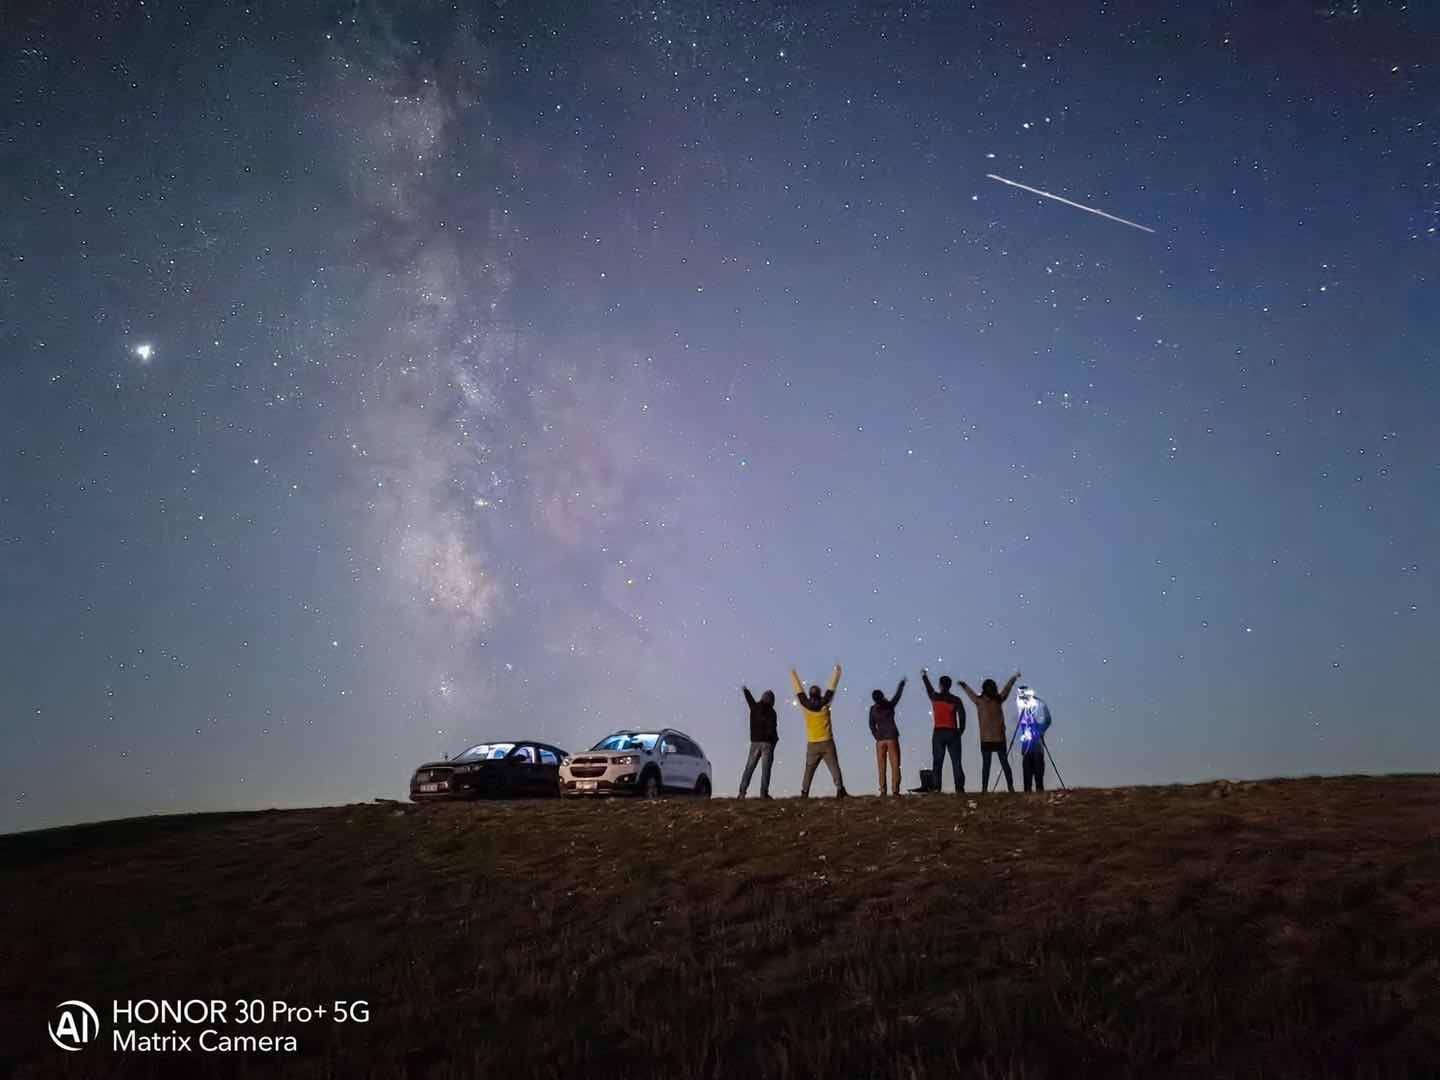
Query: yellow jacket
x=817 y=721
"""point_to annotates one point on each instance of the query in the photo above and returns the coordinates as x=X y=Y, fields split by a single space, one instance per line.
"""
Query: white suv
x=644 y=763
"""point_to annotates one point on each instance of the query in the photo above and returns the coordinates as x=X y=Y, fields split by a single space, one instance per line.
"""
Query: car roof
x=648 y=730
x=517 y=742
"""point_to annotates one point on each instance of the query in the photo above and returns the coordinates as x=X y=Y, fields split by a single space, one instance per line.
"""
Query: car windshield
x=628 y=740
x=485 y=751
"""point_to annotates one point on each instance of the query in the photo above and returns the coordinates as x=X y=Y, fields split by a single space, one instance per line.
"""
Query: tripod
x=1045 y=746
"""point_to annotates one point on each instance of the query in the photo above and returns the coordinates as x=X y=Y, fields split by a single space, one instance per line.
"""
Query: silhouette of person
x=1031 y=725
x=949 y=713
x=887 y=736
x=764 y=734
x=819 y=733
x=990 y=718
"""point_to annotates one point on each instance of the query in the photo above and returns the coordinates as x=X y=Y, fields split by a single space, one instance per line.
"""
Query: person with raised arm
x=819 y=732
x=764 y=734
x=887 y=736
x=990 y=718
x=949 y=726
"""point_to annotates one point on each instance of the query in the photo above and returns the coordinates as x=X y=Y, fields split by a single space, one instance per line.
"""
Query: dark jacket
x=764 y=725
x=882 y=716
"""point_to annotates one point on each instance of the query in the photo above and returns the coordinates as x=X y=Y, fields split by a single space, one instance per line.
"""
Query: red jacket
x=949 y=709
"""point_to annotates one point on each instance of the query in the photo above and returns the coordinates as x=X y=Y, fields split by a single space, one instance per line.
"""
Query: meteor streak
x=1067 y=202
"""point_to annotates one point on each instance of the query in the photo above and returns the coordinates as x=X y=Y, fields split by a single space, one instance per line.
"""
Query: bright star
x=144 y=352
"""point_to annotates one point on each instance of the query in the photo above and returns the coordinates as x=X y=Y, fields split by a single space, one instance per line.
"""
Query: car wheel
x=702 y=787
x=650 y=785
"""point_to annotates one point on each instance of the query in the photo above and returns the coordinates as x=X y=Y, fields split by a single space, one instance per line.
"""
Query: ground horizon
x=821 y=791
x=1221 y=929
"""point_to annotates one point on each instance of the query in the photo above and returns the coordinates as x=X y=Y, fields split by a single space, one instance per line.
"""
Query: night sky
x=378 y=380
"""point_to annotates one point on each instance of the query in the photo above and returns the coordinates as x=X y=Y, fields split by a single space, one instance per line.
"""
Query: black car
x=503 y=770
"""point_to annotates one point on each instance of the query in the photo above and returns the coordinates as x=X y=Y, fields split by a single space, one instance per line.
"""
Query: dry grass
x=1286 y=928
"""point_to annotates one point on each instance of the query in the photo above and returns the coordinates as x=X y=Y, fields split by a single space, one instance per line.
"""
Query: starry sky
x=375 y=379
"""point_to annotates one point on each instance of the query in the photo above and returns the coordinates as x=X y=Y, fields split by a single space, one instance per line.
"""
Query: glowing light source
x=1034 y=716
x=144 y=352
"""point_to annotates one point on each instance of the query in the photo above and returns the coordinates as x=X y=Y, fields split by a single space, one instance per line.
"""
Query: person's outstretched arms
x=749 y=697
x=799 y=686
x=898 y=691
x=834 y=682
x=1005 y=693
x=925 y=677
x=974 y=697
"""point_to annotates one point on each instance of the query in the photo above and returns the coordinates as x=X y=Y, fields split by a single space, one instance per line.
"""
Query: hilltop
x=1284 y=928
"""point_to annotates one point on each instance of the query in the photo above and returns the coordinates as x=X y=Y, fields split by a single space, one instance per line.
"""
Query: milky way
x=381 y=382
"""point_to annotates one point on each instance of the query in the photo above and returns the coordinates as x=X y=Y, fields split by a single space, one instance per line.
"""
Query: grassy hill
x=1286 y=928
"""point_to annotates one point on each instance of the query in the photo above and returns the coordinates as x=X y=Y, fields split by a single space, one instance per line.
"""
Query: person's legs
x=1005 y=766
x=812 y=761
x=955 y=744
x=1027 y=769
x=750 y=760
x=767 y=759
x=1039 y=756
x=998 y=749
x=886 y=753
x=937 y=757
x=832 y=762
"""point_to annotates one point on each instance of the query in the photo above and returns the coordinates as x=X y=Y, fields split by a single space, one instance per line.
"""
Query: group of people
x=948 y=712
